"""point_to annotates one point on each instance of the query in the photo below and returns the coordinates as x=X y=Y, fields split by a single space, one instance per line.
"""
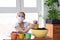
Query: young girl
x=21 y=26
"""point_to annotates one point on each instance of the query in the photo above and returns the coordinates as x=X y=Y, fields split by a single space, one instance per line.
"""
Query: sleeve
x=25 y=25
x=16 y=24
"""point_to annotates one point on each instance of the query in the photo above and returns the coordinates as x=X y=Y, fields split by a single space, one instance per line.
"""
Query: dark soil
x=41 y=29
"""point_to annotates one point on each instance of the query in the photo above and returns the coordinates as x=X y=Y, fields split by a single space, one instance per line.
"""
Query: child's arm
x=19 y=29
x=28 y=28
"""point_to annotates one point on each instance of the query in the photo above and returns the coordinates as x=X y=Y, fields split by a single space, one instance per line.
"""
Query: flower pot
x=20 y=36
x=13 y=36
x=52 y=21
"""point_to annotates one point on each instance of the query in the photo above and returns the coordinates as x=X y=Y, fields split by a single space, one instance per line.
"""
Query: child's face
x=21 y=15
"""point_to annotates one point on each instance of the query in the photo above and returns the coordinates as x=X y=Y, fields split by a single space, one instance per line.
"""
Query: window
x=30 y=18
x=30 y=3
x=9 y=6
x=7 y=3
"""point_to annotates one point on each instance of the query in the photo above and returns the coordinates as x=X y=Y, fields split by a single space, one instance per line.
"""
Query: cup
x=20 y=36
x=13 y=36
x=27 y=36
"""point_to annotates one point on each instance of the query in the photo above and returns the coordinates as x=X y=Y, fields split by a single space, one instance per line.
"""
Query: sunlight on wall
x=30 y=17
x=6 y=21
x=6 y=24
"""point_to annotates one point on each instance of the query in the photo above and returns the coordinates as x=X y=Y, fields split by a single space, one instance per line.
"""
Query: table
x=43 y=38
x=53 y=31
x=47 y=38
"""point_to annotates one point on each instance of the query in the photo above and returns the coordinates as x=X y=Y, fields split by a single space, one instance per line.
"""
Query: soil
x=41 y=29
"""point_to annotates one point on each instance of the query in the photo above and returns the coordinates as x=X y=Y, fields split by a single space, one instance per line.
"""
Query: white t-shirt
x=25 y=25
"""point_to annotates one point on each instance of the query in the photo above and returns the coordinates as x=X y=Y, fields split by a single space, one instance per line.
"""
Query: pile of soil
x=41 y=29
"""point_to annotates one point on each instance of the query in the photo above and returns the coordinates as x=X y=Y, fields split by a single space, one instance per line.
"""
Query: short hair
x=22 y=13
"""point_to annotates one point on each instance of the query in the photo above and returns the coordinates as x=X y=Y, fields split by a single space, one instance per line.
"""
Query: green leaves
x=53 y=12
x=49 y=3
x=57 y=2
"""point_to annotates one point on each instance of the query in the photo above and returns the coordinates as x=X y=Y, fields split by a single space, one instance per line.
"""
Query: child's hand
x=20 y=31
x=31 y=26
x=35 y=21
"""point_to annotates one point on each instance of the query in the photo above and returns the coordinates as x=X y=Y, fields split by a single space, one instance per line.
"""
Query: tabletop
x=47 y=38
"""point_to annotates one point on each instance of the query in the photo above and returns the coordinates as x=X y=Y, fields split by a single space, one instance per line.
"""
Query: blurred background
x=8 y=13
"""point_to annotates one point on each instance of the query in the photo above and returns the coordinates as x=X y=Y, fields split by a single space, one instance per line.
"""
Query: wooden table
x=47 y=38
x=53 y=31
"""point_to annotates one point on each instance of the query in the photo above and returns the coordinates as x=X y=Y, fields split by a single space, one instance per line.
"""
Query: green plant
x=53 y=12
x=51 y=2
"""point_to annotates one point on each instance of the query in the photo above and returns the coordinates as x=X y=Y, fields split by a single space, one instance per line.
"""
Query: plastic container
x=13 y=36
x=20 y=36
x=27 y=36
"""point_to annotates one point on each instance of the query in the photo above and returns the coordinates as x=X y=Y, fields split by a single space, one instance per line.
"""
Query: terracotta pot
x=13 y=36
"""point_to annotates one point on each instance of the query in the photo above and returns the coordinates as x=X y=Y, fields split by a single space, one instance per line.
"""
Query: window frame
x=10 y=9
x=31 y=9
x=20 y=6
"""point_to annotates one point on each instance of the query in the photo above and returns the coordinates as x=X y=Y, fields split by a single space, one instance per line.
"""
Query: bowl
x=40 y=32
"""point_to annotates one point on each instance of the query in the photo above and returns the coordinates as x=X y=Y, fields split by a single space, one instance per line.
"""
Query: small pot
x=55 y=21
x=13 y=36
x=20 y=36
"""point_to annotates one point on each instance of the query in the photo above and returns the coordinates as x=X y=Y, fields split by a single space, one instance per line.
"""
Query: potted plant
x=53 y=12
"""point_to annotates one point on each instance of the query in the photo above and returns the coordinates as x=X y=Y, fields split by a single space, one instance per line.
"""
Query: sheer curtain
x=7 y=21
